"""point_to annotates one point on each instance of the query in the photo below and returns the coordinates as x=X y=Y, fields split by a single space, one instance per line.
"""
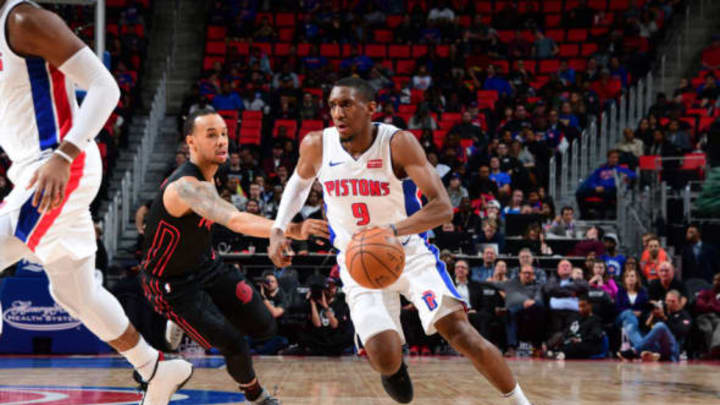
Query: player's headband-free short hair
x=362 y=88
x=189 y=125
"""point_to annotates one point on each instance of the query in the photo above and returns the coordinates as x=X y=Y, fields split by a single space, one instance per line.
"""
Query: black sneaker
x=399 y=386
x=629 y=354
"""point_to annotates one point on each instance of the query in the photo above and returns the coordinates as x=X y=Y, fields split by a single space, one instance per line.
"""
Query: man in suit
x=699 y=259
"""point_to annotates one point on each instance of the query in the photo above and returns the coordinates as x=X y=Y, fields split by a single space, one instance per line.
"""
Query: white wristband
x=63 y=155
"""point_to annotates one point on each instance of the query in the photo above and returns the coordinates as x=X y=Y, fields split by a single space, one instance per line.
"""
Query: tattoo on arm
x=203 y=199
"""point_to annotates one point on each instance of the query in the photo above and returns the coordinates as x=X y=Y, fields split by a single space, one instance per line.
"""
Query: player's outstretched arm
x=408 y=155
x=294 y=196
x=190 y=194
x=35 y=32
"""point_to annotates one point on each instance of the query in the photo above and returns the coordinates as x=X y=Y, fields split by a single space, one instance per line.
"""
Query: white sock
x=516 y=397
x=143 y=357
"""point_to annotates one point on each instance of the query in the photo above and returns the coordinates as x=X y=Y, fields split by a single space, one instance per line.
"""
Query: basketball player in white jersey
x=371 y=175
x=56 y=170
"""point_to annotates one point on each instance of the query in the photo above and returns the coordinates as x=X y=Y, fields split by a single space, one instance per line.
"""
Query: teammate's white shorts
x=65 y=232
x=425 y=282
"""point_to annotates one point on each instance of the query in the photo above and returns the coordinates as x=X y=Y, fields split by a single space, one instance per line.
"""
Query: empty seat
x=588 y=49
x=215 y=48
x=241 y=47
x=252 y=115
x=405 y=66
x=282 y=49
x=250 y=136
x=330 y=50
x=577 y=35
x=209 y=61
x=650 y=162
x=569 y=50
x=285 y=20
x=384 y=36
x=376 y=51
x=556 y=35
x=549 y=66
x=399 y=51
x=419 y=51
x=215 y=33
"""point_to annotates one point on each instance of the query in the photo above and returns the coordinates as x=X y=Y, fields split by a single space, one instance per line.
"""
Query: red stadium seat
x=399 y=51
x=330 y=50
x=282 y=49
x=552 y=6
x=115 y=3
x=209 y=61
x=600 y=5
x=419 y=51
x=705 y=123
x=696 y=111
x=317 y=92
x=376 y=51
x=384 y=36
x=505 y=36
x=346 y=50
x=571 y=4
x=285 y=20
x=290 y=125
x=483 y=6
x=599 y=31
x=242 y=48
x=549 y=66
x=578 y=64
x=488 y=95
x=216 y=48
x=553 y=20
x=556 y=35
x=446 y=125
x=619 y=5
x=530 y=65
x=252 y=124
x=465 y=21
x=443 y=51
x=400 y=81
x=407 y=108
x=577 y=35
x=694 y=161
x=112 y=29
x=229 y=114
x=215 y=33
x=417 y=96
x=252 y=115
x=569 y=50
x=650 y=162
x=393 y=21
x=439 y=137
x=265 y=47
x=303 y=49
x=232 y=126
x=250 y=136
x=405 y=116
x=313 y=125
x=286 y=34
x=452 y=117
x=405 y=66
x=387 y=63
x=588 y=49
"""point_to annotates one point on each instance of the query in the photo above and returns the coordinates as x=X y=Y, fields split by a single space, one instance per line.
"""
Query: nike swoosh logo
x=335 y=163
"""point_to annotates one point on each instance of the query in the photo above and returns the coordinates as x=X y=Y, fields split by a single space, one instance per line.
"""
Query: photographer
x=276 y=302
x=330 y=332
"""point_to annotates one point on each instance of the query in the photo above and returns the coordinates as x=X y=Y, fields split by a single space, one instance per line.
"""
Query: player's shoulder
x=312 y=142
x=30 y=18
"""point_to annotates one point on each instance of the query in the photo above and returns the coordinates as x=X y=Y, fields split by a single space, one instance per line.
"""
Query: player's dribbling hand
x=51 y=179
x=279 y=250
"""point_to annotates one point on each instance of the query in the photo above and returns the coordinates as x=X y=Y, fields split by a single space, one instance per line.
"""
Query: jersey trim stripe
x=412 y=200
x=42 y=101
x=332 y=232
x=61 y=102
x=32 y=225
x=440 y=266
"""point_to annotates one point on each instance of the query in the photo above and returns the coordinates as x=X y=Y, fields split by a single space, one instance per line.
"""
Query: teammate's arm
x=35 y=32
x=190 y=194
x=408 y=155
x=294 y=196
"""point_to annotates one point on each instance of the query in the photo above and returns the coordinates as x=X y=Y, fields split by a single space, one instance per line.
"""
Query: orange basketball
x=375 y=258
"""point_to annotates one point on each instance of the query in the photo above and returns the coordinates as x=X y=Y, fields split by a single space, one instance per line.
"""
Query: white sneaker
x=169 y=376
x=173 y=335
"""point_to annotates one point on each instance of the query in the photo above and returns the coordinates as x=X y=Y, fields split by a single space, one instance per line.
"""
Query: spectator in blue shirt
x=566 y=73
x=362 y=62
x=314 y=61
x=499 y=84
x=228 y=99
x=500 y=178
x=567 y=117
x=614 y=261
x=601 y=184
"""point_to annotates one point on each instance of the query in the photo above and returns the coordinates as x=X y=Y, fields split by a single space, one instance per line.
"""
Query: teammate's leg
x=73 y=285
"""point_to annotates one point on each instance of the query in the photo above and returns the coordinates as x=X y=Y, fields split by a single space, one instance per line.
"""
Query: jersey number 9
x=361 y=212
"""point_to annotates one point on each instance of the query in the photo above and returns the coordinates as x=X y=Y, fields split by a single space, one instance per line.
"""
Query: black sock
x=253 y=391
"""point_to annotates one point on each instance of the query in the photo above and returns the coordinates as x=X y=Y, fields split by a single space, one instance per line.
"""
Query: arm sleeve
x=293 y=198
x=103 y=93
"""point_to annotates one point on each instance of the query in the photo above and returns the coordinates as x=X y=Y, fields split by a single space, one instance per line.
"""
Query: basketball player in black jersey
x=185 y=280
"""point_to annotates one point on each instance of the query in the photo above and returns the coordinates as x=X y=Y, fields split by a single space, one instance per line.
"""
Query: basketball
x=375 y=258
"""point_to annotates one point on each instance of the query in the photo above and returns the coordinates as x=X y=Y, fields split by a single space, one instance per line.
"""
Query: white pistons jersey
x=37 y=104
x=363 y=192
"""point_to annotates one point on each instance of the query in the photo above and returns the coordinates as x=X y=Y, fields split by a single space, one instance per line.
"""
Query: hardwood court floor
x=437 y=380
